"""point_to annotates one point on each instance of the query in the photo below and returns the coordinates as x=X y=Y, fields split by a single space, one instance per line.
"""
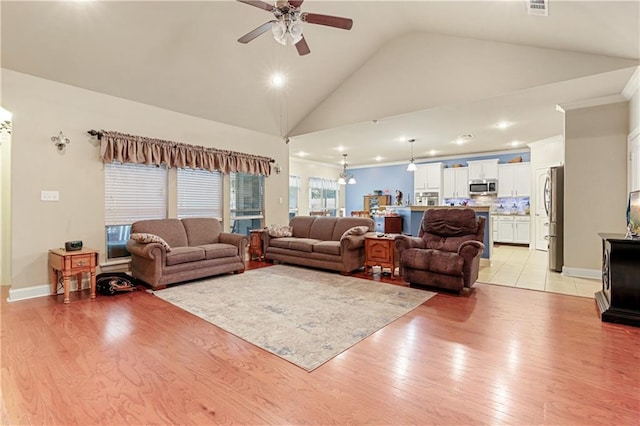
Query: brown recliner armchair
x=447 y=251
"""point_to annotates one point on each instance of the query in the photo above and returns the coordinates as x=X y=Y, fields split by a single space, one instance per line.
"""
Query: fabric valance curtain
x=126 y=148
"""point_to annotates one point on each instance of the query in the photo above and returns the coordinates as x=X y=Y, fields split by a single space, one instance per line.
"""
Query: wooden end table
x=72 y=263
x=255 y=244
x=380 y=251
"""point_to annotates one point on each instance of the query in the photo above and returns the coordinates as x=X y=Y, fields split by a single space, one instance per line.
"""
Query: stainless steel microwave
x=483 y=187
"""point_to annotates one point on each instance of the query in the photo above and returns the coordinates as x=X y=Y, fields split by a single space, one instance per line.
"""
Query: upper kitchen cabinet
x=483 y=169
x=514 y=180
x=455 y=182
x=427 y=177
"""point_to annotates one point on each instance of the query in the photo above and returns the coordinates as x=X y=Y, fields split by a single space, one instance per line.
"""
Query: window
x=132 y=192
x=199 y=193
x=294 y=191
x=246 y=202
x=323 y=196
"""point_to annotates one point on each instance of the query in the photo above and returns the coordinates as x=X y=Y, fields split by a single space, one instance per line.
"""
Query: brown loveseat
x=447 y=251
x=318 y=242
x=198 y=248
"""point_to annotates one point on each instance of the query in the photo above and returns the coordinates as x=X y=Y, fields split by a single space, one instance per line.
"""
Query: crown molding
x=632 y=85
x=593 y=102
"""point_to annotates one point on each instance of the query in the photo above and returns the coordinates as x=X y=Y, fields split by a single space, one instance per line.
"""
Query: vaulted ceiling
x=427 y=70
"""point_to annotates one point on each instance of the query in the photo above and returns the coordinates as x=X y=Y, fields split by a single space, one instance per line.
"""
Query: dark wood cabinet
x=393 y=224
x=619 y=299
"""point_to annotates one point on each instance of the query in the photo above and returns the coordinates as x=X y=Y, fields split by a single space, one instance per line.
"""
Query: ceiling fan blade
x=302 y=47
x=296 y=3
x=255 y=33
x=330 y=21
x=259 y=4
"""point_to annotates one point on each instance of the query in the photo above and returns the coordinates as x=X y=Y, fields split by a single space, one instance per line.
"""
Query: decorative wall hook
x=60 y=141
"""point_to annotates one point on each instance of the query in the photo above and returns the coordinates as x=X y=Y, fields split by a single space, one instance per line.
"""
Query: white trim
x=28 y=292
x=632 y=85
x=593 y=102
x=582 y=273
x=427 y=160
x=634 y=133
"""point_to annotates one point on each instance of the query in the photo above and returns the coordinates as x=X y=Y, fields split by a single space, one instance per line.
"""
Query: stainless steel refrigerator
x=554 y=205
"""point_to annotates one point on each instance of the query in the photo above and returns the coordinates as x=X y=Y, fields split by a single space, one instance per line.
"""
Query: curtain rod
x=99 y=135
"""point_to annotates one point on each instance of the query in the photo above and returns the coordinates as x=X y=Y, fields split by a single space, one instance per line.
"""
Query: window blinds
x=247 y=195
x=199 y=193
x=134 y=192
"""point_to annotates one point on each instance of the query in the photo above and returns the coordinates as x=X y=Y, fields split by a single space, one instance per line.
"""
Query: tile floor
x=516 y=266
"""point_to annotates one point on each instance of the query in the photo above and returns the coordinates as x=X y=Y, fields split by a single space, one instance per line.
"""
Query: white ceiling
x=428 y=70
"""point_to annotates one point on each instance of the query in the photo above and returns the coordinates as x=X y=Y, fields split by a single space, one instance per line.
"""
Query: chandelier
x=412 y=165
x=345 y=178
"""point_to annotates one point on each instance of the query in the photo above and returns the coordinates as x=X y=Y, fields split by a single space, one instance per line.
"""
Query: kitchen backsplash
x=519 y=205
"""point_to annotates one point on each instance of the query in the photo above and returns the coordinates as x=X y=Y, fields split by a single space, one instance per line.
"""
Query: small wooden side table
x=255 y=244
x=72 y=263
x=380 y=251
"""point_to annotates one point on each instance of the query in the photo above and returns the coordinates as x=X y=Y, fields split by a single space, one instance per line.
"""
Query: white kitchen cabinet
x=514 y=180
x=483 y=169
x=455 y=182
x=427 y=177
x=513 y=229
x=521 y=229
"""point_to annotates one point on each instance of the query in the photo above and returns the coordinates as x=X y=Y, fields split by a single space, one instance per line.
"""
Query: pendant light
x=412 y=165
x=344 y=177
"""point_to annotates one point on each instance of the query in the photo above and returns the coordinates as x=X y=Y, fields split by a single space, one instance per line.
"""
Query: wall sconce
x=277 y=169
x=60 y=141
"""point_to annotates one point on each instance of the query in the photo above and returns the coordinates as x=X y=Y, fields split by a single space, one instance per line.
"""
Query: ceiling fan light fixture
x=287 y=32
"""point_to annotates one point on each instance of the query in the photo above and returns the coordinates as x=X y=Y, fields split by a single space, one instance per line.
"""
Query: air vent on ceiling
x=538 y=7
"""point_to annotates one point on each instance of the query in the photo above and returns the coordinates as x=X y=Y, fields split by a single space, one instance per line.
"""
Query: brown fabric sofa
x=447 y=251
x=198 y=248
x=318 y=242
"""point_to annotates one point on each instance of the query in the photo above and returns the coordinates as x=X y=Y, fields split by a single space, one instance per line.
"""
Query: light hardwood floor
x=499 y=355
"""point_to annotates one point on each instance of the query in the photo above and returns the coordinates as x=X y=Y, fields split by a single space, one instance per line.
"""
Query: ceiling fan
x=287 y=25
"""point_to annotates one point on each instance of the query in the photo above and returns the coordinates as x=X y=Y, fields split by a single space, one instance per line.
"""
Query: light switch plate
x=49 y=196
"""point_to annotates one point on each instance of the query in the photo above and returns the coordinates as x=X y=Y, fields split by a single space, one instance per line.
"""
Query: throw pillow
x=276 y=231
x=356 y=230
x=143 y=237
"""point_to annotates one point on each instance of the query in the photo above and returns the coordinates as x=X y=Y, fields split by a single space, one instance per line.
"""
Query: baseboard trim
x=594 y=274
x=16 y=294
x=485 y=262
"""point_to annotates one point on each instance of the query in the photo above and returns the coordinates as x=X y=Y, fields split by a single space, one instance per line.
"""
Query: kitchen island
x=412 y=217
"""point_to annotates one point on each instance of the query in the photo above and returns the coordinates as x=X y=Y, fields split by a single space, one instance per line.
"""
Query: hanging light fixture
x=346 y=178
x=412 y=165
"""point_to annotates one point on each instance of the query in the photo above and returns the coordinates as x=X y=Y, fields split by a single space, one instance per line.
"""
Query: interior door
x=541 y=200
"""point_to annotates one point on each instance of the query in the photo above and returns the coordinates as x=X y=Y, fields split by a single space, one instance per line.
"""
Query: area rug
x=302 y=315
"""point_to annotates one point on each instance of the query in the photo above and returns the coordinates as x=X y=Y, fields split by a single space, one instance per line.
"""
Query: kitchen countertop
x=509 y=214
x=475 y=208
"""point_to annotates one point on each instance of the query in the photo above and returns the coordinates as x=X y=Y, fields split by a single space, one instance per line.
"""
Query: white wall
x=43 y=108
x=632 y=93
x=5 y=209
x=595 y=190
x=306 y=169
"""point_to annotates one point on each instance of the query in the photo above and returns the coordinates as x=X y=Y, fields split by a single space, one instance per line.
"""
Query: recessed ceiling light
x=340 y=148
x=515 y=143
x=277 y=79
x=462 y=139
x=433 y=152
x=503 y=124
x=378 y=158
x=302 y=154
